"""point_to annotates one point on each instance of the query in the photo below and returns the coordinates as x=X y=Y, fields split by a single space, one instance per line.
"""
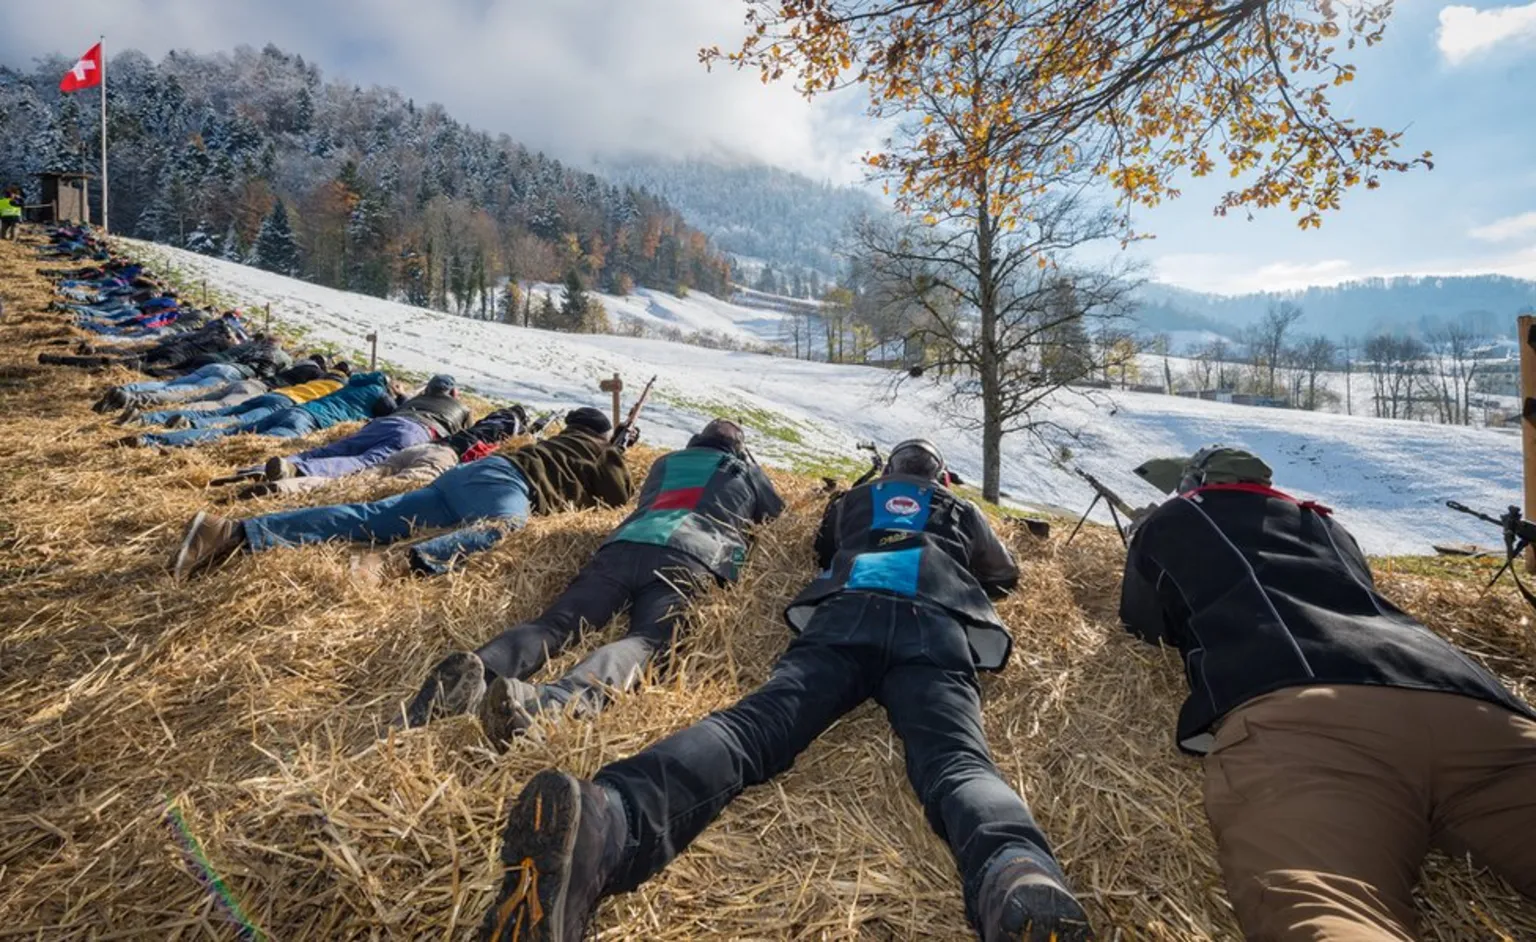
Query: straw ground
x=200 y=761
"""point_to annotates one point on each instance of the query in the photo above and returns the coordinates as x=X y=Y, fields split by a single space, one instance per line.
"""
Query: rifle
x=621 y=434
x=834 y=488
x=1519 y=533
x=1117 y=506
x=539 y=424
x=876 y=463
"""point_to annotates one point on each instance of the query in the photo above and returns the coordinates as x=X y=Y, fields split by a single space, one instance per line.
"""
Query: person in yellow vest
x=10 y=212
x=262 y=406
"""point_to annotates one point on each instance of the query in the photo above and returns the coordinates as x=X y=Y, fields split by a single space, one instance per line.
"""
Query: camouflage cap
x=1212 y=465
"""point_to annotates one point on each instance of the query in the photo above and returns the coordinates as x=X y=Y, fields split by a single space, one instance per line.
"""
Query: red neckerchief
x=1265 y=490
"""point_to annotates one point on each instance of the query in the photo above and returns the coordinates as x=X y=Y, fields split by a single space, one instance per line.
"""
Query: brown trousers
x=1324 y=801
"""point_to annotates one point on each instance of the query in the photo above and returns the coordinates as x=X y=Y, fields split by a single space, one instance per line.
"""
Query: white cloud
x=1467 y=31
x=1503 y=230
x=1228 y=274
x=1238 y=274
x=575 y=78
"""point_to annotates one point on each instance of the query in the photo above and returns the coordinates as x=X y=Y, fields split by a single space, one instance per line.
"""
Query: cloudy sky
x=579 y=78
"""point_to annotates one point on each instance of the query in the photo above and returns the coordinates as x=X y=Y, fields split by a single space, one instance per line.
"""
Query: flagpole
x=106 y=227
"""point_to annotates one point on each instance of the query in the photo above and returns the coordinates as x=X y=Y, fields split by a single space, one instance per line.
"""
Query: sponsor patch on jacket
x=902 y=506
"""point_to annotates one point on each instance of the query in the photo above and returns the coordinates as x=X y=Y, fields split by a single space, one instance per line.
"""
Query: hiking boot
x=563 y=840
x=507 y=710
x=128 y=416
x=115 y=398
x=209 y=539
x=1025 y=899
x=280 y=469
x=454 y=686
x=178 y=421
x=264 y=489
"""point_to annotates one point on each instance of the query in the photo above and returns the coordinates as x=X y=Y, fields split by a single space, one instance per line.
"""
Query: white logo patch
x=902 y=506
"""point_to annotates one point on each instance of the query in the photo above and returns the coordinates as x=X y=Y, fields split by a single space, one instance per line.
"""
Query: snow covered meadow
x=1387 y=479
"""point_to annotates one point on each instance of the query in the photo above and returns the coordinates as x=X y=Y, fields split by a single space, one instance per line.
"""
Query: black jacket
x=304 y=371
x=210 y=338
x=1260 y=592
x=701 y=502
x=442 y=415
x=910 y=538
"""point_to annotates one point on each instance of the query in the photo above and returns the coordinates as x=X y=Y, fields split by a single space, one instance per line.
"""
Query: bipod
x=1113 y=515
x=1518 y=536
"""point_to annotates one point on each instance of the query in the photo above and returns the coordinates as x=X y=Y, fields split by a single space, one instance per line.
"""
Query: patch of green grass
x=1450 y=568
x=760 y=421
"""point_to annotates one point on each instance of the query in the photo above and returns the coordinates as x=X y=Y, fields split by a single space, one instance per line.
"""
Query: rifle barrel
x=1103 y=490
x=1459 y=507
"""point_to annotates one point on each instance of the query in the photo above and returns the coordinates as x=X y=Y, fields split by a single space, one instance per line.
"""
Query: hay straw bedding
x=250 y=701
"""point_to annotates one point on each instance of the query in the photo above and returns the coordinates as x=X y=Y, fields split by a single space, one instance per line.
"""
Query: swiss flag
x=85 y=74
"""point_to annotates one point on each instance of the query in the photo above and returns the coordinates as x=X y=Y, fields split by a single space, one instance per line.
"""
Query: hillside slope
x=202 y=761
x=1388 y=479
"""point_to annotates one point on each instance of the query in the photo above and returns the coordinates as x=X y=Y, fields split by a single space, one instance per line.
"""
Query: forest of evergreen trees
x=252 y=156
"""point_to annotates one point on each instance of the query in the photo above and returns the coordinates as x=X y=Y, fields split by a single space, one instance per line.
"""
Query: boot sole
x=179 y=568
x=1057 y=926
x=536 y=848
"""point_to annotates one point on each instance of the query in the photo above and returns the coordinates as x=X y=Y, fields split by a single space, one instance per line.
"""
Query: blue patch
x=900 y=505
x=895 y=571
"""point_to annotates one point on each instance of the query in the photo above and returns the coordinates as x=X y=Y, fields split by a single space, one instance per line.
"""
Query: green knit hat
x=1214 y=464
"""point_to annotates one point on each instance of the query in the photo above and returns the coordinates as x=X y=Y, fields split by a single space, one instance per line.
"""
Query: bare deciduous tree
x=1313 y=357
x=992 y=314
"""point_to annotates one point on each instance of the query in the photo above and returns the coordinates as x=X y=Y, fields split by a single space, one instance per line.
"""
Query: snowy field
x=1387 y=480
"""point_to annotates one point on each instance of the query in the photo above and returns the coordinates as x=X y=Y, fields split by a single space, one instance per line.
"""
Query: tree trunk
x=992 y=455
x=990 y=368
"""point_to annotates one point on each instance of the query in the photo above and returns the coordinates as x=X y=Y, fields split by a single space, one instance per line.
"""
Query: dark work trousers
x=653 y=583
x=914 y=660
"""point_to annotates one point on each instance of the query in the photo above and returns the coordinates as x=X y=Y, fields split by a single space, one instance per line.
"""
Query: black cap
x=441 y=383
x=589 y=419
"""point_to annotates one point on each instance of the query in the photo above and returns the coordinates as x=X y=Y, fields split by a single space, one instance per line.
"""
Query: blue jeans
x=291 y=422
x=363 y=449
x=489 y=489
x=915 y=662
x=182 y=387
x=246 y=411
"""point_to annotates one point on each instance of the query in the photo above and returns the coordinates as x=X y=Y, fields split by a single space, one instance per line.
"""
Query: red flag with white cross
x=85 y=74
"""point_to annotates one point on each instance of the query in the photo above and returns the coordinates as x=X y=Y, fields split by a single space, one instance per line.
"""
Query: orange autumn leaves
x=996 y=100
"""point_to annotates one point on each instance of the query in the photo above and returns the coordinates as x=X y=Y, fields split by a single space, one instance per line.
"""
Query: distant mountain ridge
x=1353 y=308
x=753 y=210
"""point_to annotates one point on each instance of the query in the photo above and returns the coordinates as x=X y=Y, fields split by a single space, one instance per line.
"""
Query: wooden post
x=615 y=386
x=1528 y=421
x=269 y=317
x=373 y=354
x=205 y=292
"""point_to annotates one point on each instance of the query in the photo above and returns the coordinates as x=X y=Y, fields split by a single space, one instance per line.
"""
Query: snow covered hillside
x=1388 y=480
x=697 y=313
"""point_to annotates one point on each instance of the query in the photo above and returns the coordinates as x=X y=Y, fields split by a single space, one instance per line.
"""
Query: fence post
x=269 y=317
x=373 y=353
x=615 y=386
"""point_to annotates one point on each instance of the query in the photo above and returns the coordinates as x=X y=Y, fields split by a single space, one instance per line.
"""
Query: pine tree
x=573 y=304
x=547 y=315
x=276 y=248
